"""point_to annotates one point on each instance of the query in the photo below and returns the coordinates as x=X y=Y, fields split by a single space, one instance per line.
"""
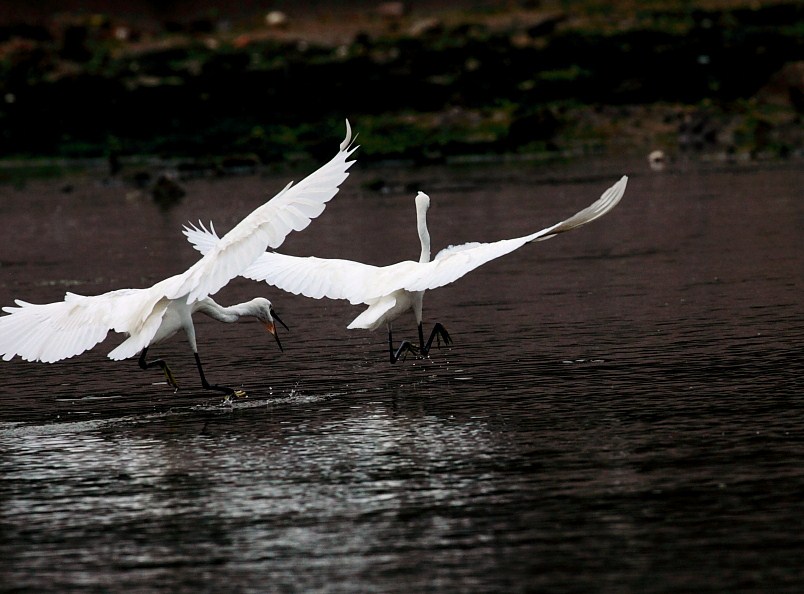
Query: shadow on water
x=621 y=409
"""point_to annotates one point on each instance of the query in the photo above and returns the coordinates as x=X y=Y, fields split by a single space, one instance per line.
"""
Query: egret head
x=422 y=204
x=422 y=201
x=264 y=312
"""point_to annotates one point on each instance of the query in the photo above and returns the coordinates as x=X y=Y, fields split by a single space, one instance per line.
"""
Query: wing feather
x=607 y=201
x=292 y=209
x=363 y=283
x=309 y=276
x=54 y=331
x=453 y=262
x=314 y=277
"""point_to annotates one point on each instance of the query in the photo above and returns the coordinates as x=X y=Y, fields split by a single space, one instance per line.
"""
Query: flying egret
x=392 y=290
x=56 y=331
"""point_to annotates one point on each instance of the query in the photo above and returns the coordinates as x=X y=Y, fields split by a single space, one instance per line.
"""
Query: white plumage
x=56 y=331
x=389 y=291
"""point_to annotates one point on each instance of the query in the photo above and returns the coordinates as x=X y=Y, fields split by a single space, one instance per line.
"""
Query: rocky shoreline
x=537 y=79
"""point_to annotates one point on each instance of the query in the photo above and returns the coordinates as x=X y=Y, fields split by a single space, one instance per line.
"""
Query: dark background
x=219 y=86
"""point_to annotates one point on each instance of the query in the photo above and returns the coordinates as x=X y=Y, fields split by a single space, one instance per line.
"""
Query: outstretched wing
x=308 y=276
x=55 y=331
x=315 y=277
x=290 y=210
x=453 y=262
x=362 y=283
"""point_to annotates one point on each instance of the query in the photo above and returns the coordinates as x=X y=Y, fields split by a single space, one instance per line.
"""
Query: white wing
x=56 y=331
x=290 y=210
x=363 y=283
x=308 y=276
x=453 y=262
x=315 y=277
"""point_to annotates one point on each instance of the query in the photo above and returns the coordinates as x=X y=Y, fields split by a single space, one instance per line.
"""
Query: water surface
x=621 y=410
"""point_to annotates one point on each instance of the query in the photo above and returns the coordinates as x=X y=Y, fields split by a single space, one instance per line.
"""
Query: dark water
x=622 y=409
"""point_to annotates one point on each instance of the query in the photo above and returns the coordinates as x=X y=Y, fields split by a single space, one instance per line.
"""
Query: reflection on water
x=621 y=409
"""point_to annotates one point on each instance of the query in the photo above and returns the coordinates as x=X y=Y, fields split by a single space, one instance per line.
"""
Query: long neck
x=424 y=234
x=218 y=312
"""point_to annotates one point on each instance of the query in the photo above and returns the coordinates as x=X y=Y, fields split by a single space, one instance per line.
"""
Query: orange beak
x=271 y=327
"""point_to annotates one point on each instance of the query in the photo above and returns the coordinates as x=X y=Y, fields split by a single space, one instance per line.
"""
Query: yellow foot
x=170 y=379
x=227 y=400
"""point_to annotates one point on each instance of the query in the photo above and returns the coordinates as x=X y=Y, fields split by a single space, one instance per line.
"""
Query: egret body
x=55 y=331
x=390 y=291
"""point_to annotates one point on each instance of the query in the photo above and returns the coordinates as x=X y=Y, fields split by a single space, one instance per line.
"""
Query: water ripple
x=620 y=411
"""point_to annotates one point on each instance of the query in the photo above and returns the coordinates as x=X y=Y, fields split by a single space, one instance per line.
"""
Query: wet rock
x=239 y=165
x=545 y=24
x=697 y=131
x=198 y=168
x=140 y=178
x=426 y=27
x=785 y=88
x=527 y=126
x=657 y=160
x=391 y=10
x=167 y=192
x=276 y=19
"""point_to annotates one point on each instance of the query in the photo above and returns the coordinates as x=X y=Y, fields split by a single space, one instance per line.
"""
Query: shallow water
x=621 y=409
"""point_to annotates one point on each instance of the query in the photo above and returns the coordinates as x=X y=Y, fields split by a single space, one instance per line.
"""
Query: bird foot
x=402 y=352
x=232 y=396
x=170 y=379
x=438 y=334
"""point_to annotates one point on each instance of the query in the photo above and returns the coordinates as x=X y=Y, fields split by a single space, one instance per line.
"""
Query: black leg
x=404 y=348
x=158 y=363
x=226 y=390
x=439 y=333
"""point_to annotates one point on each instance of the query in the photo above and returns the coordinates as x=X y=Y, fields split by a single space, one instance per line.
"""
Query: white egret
x=392 y=290
x=56 y=331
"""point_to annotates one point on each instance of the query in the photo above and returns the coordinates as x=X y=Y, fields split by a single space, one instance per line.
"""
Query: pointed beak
x=271 y=327
x=276 y=317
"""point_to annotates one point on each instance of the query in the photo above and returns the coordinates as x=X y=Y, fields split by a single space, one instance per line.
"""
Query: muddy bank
x=425 y=86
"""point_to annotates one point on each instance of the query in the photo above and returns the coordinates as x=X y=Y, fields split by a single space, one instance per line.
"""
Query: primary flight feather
x=56 y=331
x=389 y=291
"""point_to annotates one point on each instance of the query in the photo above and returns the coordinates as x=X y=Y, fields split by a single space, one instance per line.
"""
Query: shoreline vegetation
x=221 y=93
